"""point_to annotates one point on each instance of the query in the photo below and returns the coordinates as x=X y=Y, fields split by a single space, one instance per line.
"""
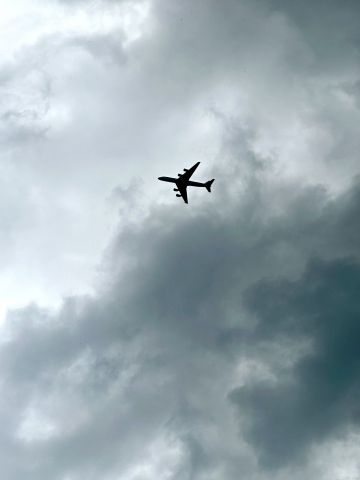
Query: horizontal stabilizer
x=208 y=185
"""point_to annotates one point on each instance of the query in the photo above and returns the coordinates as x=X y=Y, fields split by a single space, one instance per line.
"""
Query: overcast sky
x=146 y=339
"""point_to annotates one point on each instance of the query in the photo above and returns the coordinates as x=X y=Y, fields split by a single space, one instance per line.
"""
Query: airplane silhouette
x=183 y=181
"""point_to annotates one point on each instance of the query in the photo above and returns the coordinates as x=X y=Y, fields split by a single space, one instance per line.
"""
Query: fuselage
x=179 y=180
x=168 y=179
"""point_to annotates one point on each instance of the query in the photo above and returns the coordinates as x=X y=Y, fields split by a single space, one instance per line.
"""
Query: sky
x=142 y=338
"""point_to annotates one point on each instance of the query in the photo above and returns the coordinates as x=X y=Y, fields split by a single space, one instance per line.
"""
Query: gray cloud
x=218 y=330
x=320 y=395
x=155 y=354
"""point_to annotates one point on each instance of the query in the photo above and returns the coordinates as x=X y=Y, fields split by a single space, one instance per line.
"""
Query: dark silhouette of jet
x=183 y=181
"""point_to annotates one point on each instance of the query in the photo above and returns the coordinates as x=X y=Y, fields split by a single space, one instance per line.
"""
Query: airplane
x=183 y=181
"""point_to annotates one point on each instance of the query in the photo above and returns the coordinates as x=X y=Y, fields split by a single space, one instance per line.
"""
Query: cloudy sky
x=145 y=339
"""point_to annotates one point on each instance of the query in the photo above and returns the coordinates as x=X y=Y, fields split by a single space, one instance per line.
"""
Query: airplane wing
x=188 y=172
x=183 y=192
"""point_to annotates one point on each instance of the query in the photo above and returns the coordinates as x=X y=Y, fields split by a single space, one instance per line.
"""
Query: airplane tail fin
x=208 y=185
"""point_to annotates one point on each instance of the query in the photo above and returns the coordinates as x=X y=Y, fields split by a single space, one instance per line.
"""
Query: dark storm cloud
x=204 y=312
x=321 y=394
x=156 y=350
